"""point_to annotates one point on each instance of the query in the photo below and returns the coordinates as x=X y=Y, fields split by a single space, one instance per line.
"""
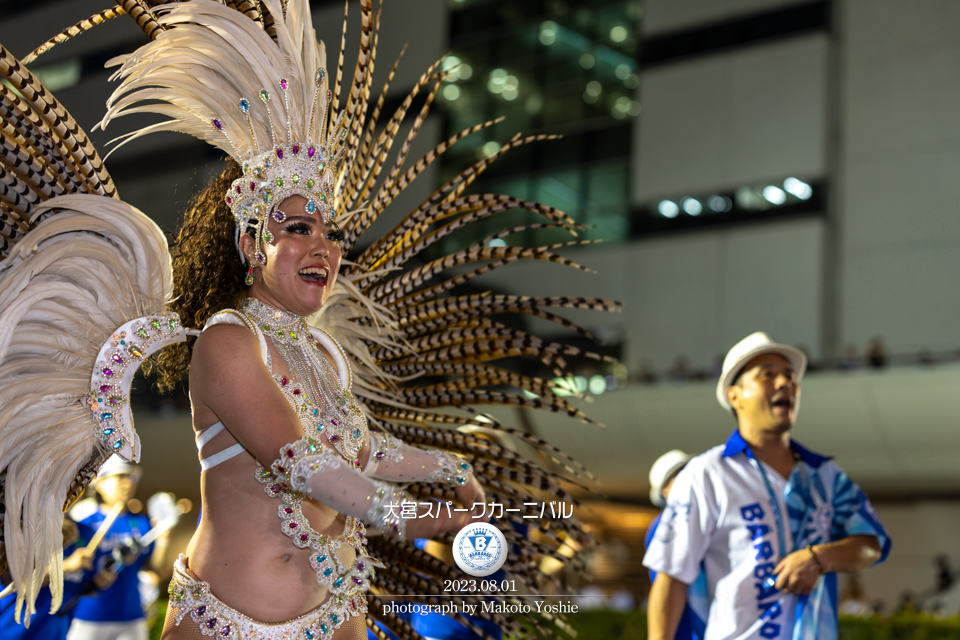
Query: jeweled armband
x=383 y=448
x=450 y=469
x=388 y=447
x=294 y=454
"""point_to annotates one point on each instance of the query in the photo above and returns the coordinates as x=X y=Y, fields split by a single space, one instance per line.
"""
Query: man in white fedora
x=768 y=522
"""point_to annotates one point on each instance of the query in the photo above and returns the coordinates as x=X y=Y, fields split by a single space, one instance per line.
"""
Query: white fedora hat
x=755 y=344
x=662 y=470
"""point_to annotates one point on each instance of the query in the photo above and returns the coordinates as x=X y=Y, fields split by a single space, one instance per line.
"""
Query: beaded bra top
x=325 y=407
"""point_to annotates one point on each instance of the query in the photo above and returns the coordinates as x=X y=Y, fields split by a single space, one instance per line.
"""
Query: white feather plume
x=216 y=56
x=89 y=267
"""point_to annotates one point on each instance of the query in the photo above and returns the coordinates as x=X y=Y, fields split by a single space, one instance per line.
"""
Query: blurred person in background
x=79 y=576
x=854 y=601
x=877 y=353
x=117 y=613
x=768 y=521
x=662 y=474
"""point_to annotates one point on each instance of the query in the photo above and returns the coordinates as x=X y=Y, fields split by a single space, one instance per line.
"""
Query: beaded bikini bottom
x=191 y=596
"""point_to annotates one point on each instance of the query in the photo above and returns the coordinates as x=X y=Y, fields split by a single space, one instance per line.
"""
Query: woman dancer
x=281 y=407
x=247 y=407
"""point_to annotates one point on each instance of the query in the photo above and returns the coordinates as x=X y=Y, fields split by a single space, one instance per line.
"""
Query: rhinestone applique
x=119 y=358
x=324 y=407
x=192 y=597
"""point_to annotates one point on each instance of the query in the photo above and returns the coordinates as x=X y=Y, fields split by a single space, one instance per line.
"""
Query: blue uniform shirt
x=43 y=624
x=120 y=602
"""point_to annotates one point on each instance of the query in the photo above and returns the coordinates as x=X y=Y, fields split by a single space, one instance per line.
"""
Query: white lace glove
x=317 y=471
x=391 y=459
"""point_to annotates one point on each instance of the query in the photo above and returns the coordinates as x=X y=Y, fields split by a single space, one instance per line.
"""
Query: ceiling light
x=450 y=62
x=598 y=384
x=668 y=209
x=720 y=204
x=692 y=206
x=497 y=80
x=774 y=195
x=490 y=149
x=799 y=188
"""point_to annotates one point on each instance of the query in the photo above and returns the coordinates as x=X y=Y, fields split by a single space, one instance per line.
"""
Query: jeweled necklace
x=324 y=406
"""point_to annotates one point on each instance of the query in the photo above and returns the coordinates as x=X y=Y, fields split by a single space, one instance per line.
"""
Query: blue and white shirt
x=734 y=518
x=693 y=622
x=121 y=601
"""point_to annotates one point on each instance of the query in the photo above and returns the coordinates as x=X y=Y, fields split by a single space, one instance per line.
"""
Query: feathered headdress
x=221 y=78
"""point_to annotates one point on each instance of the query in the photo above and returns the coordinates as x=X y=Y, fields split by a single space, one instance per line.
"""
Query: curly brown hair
x=207 y=271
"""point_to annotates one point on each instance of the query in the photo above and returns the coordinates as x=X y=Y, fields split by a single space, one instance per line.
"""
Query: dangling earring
x=249 y=278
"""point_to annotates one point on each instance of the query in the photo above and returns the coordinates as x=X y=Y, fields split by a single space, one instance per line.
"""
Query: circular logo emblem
x=480 y=549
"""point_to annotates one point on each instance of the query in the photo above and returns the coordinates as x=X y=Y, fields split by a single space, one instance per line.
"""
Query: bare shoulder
x=225 y=353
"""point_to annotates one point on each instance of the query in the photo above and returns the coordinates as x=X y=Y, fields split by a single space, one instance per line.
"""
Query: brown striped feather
x=75 y=30
x=250 y=8
x=473 y=208
x=403 y=286
x=51 y=111
x=141 y=12
x=16 y=112
x=381 y=200
x=363 y=157
x=335 y=105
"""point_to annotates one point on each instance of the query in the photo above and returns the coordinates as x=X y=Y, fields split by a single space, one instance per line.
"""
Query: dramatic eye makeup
x=298 y=227
x=336 y=235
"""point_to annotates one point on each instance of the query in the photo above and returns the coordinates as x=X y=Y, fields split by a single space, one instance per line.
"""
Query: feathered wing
x=420 y=350
x=79 y=267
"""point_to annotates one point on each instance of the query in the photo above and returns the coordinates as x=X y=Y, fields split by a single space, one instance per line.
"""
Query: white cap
x=662 y=470
x=755 y=344
x=115 y=466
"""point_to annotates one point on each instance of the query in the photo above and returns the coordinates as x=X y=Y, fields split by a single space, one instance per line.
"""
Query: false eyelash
x=297 y=226
x=337 y=235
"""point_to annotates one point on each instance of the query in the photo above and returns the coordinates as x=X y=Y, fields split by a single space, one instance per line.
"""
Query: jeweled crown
x=307 y=168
